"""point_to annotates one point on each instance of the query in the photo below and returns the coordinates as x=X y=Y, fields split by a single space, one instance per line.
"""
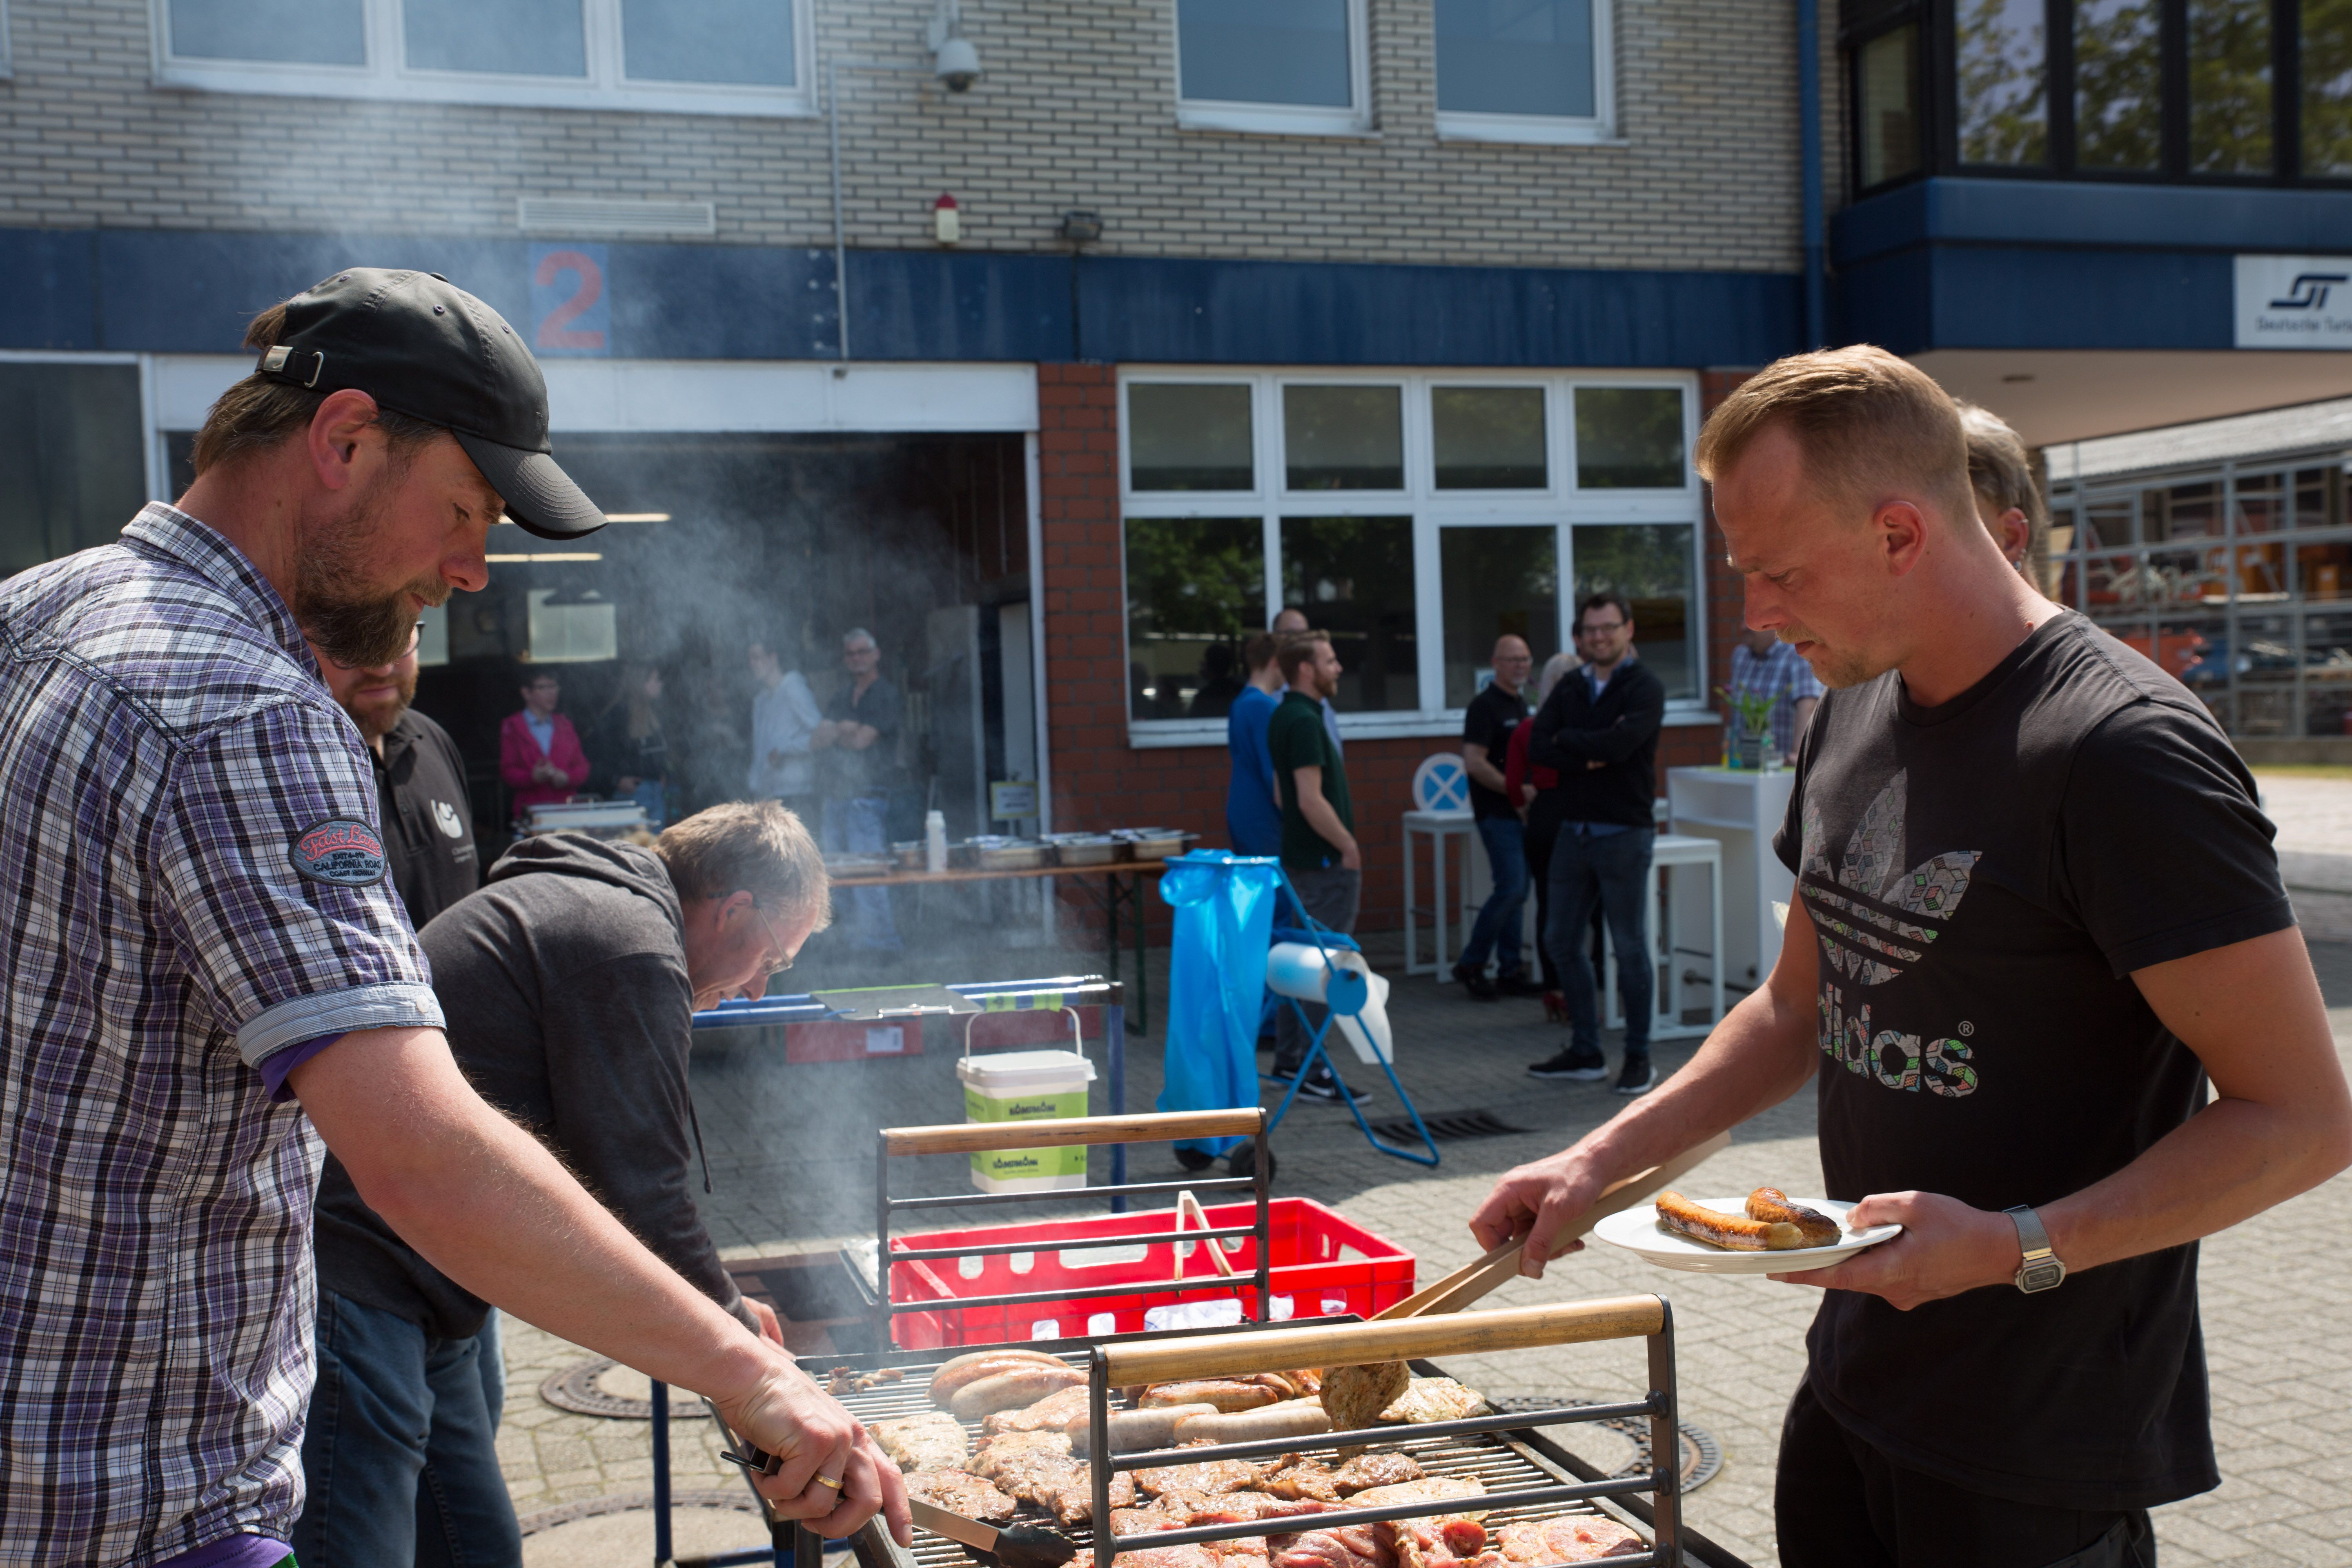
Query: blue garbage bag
x=1216 y=980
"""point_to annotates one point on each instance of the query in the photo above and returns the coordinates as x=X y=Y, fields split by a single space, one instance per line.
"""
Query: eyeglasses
x=1598 y=628
x=777 y=960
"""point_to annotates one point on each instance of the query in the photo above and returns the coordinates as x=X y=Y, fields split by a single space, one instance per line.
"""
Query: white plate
x=1637 y=1230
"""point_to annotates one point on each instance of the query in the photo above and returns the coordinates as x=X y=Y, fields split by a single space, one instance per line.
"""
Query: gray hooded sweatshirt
x=565 y=987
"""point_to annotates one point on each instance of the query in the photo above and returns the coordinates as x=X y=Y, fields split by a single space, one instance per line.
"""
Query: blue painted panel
x=2020 y=296
x=2085 y=213
x=1236 y=312
x=194 y=293
x=45 y=289
x=957 y=305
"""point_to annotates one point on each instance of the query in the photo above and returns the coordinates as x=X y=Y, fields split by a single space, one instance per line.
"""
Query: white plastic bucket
x=1025 y=1086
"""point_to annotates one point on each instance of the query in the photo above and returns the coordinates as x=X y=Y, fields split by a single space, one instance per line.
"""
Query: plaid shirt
x=163 y=741
x=1778 y=673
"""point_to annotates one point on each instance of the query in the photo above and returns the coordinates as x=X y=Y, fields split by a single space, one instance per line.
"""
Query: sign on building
x=2294 y=301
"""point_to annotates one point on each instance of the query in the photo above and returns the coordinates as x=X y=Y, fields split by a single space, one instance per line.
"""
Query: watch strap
x=2033 y=1238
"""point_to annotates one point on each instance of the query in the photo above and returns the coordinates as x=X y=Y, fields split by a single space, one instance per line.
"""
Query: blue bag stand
x=1345 y=993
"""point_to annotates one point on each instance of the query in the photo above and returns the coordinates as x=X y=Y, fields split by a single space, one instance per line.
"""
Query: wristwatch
x=2040 y=1269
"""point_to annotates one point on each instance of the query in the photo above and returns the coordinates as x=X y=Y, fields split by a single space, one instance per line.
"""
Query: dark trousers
x=1331 y=896
x=1495 y=932
x=1543 y=834
x=1839 y=1503
x=1611 y=871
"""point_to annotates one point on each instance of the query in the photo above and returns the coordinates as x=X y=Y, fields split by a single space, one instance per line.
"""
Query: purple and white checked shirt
x=1781 y=674
x=163 y=739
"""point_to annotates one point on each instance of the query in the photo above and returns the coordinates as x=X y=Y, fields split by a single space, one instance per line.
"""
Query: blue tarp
x=1216 y=980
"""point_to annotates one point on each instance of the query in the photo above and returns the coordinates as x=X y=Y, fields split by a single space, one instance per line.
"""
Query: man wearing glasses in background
x=1599 y=728
x=570 y=981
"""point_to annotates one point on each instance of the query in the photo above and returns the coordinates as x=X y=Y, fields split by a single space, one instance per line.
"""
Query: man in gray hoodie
x=570 y=981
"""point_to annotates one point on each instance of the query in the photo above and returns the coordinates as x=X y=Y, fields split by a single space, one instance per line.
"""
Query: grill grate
x=1499 y=1464
x=1448 y=1124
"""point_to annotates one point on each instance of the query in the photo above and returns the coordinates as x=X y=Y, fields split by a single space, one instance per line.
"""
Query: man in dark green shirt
x=1318 y=842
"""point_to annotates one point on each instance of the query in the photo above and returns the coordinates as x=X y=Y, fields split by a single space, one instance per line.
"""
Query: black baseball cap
x=422 y=346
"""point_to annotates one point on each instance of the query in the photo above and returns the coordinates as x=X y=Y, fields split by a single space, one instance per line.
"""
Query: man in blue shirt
x=1253 y=812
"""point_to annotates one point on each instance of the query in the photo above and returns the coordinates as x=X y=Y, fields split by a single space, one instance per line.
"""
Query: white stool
x=1441 y=799
x=1669 y=852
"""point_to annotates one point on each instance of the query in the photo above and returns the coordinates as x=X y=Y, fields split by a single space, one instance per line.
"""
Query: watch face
x=2041 y=1276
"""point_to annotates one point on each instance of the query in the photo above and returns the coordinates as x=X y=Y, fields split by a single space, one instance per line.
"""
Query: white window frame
x=1598 y=129
x=386 y=76
x=1282 y=119
x=1560 y=504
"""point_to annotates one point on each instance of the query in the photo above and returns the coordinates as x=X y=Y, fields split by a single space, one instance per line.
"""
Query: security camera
x=957 y=63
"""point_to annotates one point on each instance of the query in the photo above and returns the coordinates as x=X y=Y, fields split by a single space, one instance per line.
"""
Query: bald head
x=1511 y=662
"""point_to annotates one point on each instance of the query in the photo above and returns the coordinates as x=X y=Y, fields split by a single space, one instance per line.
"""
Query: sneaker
x=1585 y=1067
x=1475 y=982
x=1330 y=1090
x=1518 y=983
x=1638 y=1077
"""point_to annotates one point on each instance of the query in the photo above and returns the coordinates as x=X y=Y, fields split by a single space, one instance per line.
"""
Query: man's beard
x=377 y=719
x=1836 y=668
x=352 y=623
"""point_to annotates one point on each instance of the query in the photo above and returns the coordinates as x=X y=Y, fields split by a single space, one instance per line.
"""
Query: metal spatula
x=1014 y=1546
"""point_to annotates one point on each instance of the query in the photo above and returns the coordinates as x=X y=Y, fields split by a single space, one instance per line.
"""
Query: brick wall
x=1099 y=781
x=1075 y=109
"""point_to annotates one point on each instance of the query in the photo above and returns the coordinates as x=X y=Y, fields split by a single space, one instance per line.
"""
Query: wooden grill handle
x=1362 y=1344
x=978 y=1137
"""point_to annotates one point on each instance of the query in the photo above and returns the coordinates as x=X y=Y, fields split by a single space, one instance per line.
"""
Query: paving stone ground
x=792 y=1158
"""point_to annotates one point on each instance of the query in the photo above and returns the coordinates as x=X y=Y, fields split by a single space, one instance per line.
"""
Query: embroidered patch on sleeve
x=340 y=851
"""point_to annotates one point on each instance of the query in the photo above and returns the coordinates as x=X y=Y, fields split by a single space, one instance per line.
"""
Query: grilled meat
x=1293 y=1475
x=1432 y=1543
x=929 y=1441
x=958 y=1491
x=1055 y=1410
x=1354 y=1397
x=1227 y=1393
x=1381 y=1467
x=1435 y=1399
x=1036 y=1467
x=1348 y=1546
x=1429 y=1489
x=1013 y=1388
x=1214 y=1477
x=1569 y=1539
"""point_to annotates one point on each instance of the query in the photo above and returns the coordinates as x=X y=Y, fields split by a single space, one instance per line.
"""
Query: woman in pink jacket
x=539 y=751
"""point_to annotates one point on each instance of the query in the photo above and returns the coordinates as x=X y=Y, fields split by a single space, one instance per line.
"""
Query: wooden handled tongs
x=1472 y=1280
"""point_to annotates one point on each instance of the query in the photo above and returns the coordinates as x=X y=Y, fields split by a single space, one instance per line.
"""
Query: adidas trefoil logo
x=1874 y=918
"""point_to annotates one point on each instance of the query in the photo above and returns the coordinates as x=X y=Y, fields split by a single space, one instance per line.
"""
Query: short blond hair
x=2001 y=470
x=756 y=847
x=1866 y=421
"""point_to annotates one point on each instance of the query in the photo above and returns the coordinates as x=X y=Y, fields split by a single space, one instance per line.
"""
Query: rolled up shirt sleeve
x=280 y=955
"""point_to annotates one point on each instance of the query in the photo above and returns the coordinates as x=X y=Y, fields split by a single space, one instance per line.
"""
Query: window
x=1498 y=581
x=1415 y=517
x=1271 y=65
x=1523 y=70
x=718 y=57
x=2002 y=61
x=2230 y=87
x=71 y=443
x=2327 y=87
x=1886 y=96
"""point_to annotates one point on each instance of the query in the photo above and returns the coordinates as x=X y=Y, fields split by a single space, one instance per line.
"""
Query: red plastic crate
x=1323 y=1265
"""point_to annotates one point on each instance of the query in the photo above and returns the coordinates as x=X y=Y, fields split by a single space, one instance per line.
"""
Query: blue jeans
x=398 y=1456
x=1613 y=871
x=862 y=915
x=1496 y=929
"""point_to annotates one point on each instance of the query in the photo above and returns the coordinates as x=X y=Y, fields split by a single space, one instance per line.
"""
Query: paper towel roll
x=1357 y=996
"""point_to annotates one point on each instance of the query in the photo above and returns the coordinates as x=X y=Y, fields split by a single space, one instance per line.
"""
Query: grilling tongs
x=1472 y=1280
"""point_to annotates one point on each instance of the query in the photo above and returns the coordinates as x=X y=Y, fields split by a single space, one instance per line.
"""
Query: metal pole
x=884 y=1322
x=1808 y=141
x=1099 y=1449
x=840 y=241
x=662 y=1553
x=1665 y=1444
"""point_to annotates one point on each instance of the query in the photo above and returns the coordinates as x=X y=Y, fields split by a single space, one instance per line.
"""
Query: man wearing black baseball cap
x=201 y=962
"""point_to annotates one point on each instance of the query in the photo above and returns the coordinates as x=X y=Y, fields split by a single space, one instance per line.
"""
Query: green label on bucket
x=1010 y=1165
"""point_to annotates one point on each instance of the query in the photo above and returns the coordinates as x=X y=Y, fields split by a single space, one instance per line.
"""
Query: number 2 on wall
x=555 y=330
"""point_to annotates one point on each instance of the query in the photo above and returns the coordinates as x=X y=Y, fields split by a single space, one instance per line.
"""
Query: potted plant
x=1755 y=711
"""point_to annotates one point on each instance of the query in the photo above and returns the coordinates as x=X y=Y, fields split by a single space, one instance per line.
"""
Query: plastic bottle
x=935 y=841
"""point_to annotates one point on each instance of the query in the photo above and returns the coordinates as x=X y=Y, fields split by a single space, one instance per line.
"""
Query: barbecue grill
x=1527 y=1477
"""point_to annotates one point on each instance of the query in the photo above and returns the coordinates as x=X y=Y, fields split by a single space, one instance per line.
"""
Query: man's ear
x=1902 y=530
x=342 y=430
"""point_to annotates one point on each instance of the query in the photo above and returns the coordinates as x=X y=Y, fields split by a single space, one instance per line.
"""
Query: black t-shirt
x=1489 y=721
x=873 y=771
x=428 y=824
x=1983 y=878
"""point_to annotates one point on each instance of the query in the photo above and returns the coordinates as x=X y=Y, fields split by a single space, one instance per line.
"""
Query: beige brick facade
x=1075 y=109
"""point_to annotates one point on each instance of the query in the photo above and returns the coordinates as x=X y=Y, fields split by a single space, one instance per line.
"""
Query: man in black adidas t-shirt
x=2037 y=915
